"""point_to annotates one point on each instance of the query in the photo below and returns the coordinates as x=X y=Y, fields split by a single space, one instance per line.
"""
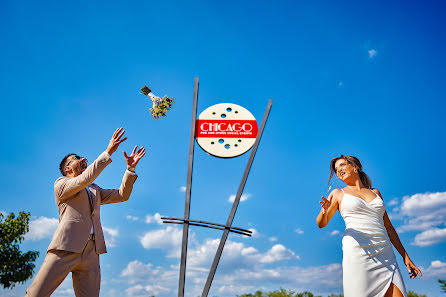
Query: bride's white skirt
x=369 y=265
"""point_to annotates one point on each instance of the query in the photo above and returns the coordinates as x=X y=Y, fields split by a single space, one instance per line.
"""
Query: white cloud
x=156 y=218
x=65 y=289
x=138 y=275
x=421 y=212
x=278 y=253
x=299 y=231
x=3 y=213
x=145 y=291
x=233 y=290
x=236 y=255
x=340 y=84
x=132 y=218
x=424 y=213
x=156 y=289
x=430 y=237
x=135 y=290
x=183 y=189
x=242 y=268
x=436 y=270
x=168 y=238
x=372 y=53
x=255 y=233
x=110 y=236
x=334 y=232
x=426 y=201
x=41 y=228
x=137 y=271
x=112 y=292
x=272 y=239
x=286 y=277
x=202 y=255
x=243 y=198
x=393 y=202
x=63 y=292
x=232 y=281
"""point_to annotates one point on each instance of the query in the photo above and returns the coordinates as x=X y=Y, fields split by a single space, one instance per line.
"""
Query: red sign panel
x=226 y=128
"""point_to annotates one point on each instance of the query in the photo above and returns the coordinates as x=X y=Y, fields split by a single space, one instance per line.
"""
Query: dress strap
x=375 y=193
x=342 y=191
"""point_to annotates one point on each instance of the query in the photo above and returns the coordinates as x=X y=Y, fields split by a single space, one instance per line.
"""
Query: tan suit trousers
x=84 y=267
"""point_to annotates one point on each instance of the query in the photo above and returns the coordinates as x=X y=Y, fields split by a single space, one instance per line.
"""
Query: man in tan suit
x=78 y=240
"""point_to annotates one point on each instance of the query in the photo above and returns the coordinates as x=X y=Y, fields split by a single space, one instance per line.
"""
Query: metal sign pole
x=235 y=205
x=188 y=193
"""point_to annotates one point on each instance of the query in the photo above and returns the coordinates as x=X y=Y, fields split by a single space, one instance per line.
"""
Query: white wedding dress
x=369 y=264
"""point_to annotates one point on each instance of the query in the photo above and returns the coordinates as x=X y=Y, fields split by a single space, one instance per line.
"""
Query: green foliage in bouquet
x=145 y=90
x=160 y=105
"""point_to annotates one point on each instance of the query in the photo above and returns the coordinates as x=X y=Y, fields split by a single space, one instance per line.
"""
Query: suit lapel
x=91 y=192
x=94 y=198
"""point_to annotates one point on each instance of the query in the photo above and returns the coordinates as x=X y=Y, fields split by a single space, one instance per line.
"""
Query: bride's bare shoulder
x=337 y=194
x=377 y=192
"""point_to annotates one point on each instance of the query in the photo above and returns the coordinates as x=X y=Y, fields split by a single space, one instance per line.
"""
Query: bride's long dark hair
x=365 y=179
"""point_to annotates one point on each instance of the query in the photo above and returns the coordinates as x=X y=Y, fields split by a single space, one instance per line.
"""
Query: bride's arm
x=395 y=240
x=328 y=208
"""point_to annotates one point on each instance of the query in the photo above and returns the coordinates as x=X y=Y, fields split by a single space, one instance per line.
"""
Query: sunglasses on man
x=76 y=157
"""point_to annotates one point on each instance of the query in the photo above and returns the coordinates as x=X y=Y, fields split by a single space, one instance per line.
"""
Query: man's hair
x=63 y=163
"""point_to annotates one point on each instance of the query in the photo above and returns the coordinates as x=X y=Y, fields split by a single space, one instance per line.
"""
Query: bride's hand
x=325 y=204
x=413 y=270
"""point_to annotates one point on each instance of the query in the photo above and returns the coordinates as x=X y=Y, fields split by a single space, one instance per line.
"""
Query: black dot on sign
x=223 y=115
x=228 y=109
x=221 y=140
x=227 y=146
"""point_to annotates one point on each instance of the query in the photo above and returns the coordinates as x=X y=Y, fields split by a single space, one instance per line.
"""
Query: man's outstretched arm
x=66 y=187
x=113 y=195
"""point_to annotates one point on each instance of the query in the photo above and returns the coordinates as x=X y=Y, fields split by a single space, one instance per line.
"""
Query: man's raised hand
x=134 y=158
x=115 y=141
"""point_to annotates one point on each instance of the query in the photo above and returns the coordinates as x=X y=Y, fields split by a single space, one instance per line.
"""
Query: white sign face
x=226 y=130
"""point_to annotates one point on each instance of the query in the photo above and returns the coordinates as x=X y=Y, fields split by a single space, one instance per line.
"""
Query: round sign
x=226 y=130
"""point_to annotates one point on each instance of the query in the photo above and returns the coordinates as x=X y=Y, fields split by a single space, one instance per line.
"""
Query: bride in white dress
x=369 y=264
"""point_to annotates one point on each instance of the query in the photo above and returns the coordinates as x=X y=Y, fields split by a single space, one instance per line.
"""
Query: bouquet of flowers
x=160 y=104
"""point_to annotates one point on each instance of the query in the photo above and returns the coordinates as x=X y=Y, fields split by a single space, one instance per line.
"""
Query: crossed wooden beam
x=186 y=221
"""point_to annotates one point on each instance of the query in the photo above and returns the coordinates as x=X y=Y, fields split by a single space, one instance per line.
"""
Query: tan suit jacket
x=77 y=215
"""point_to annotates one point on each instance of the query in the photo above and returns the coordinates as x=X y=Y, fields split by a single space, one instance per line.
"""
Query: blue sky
x=358 y=78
